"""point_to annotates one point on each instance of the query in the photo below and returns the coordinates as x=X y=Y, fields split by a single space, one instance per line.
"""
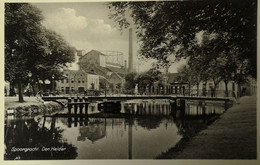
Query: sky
x=86 y=26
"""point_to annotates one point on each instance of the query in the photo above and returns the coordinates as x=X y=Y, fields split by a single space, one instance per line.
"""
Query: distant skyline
x=86 y=26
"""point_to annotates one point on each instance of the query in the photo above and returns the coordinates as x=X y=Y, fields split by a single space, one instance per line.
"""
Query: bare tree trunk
x=189 y=88
x=20 y=93
x=239 y=89
x=198 y=86
x=33 y=89
x=226 y=88
x=44 y=85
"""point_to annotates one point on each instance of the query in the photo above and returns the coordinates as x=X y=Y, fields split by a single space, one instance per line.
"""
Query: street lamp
x=29 y=75
x=29 y=84
x=53 y=83
x=233 y=84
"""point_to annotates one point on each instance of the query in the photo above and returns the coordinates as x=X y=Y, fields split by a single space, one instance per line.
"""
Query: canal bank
x=232 y=136
x=31 y=105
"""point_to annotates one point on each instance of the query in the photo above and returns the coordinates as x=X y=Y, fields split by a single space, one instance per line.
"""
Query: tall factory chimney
x=130 y=60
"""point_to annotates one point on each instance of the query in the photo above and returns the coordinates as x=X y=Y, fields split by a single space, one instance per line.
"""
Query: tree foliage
x=24 y=40
x=60 y=53
x=170 y=27
x=148 y=78
x=130 y=81
x=30 y=47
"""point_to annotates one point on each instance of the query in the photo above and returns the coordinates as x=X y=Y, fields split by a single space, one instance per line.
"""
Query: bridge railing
x=152 y=92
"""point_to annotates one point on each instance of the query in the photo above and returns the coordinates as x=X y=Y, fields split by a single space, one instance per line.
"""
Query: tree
x=168 y=28
x=185 y=75
x=31 y=48
x=52 y=63
x=148 y=78
x=130 y=81
x=23 y=41
x=118 y=87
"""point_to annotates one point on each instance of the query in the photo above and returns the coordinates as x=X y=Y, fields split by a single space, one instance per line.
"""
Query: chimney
x=130 y=60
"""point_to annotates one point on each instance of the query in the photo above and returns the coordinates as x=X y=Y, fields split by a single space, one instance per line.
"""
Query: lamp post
x=53 y=83
x=233 y=84
x=29 y=75
x=29 y=84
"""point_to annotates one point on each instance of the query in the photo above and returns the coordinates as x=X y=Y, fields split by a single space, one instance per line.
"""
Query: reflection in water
x=194 y=109
x=22 y=135
x=95 y=130
x=147 y=108
x=150 y=131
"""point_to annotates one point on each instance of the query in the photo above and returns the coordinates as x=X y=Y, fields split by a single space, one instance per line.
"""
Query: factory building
x=97 y=70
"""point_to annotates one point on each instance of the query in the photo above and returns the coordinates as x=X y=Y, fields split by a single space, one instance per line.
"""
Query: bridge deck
x=100 y=98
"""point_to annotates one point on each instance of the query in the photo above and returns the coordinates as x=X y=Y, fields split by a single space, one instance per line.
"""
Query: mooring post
x=86 y=121
x=182 y=107
x=69 y=121
x=80 y=122
x=69 y=105
x=75 y=105
x=80 y=106
x=86 y=105
x=76 y=122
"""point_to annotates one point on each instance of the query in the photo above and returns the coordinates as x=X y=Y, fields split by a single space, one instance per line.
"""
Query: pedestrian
x=5 y=91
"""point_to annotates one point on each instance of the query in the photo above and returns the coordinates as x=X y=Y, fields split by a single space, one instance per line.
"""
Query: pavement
x=12 y=102
x=233 y=136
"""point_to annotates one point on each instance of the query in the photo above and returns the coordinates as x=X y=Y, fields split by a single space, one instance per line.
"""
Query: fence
x=151 y=91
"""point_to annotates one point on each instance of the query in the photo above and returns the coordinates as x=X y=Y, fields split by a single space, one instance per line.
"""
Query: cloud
x=99 y=26
x=65 y=19
x=85 y=32
x=66 y=22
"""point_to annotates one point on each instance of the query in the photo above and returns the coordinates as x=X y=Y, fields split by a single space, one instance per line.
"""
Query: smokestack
x=130 y=60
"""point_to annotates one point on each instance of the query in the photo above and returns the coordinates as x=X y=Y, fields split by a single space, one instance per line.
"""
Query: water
x=150 y=132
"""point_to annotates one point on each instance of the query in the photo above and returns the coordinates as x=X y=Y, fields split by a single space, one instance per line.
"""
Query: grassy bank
x=232 y=136
x=31 y=105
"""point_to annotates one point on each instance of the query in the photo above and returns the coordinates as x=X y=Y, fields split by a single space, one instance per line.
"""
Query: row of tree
x=217 y=38
x=205 y=65
x=148 y=78
x=32 y=52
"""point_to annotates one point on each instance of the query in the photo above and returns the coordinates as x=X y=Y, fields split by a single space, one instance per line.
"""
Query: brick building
x=77 y=81
x=108 y=65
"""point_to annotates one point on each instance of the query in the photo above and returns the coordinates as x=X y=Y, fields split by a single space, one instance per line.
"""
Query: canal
x=150 y=131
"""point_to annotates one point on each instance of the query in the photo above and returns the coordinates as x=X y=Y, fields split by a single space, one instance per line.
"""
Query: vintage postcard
x=92 y=81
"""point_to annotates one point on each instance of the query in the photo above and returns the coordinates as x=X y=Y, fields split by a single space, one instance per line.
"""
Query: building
x=203 y=89
x=108 y=65
x=99 y=70
x=77 y=81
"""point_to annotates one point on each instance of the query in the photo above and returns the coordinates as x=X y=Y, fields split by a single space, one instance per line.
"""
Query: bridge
x=111 y=102
x=133 y=97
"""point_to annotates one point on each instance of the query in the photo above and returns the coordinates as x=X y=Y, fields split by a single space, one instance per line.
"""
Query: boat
x=110 y=106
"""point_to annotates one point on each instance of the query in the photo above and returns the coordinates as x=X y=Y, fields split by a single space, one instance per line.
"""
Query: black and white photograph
x=130 y=80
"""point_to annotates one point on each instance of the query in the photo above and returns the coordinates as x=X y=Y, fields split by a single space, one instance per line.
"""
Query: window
x=62 y=81
x=72 y=80
x=79 y=81
x=67 y=80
